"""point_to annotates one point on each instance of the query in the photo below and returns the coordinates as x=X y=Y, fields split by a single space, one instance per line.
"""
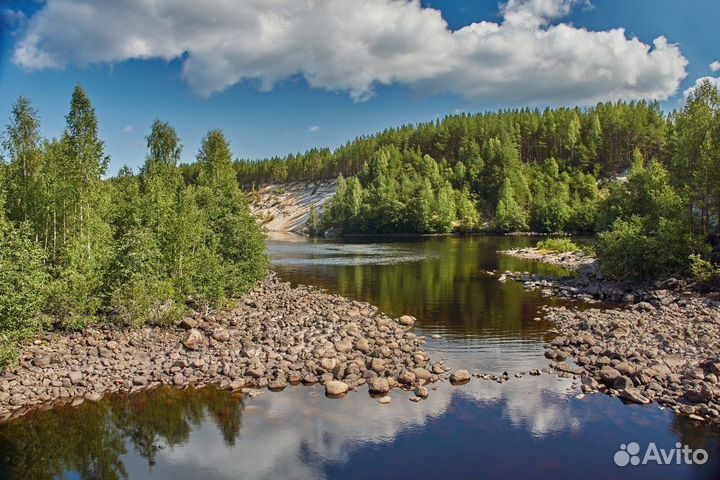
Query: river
x=529 y=428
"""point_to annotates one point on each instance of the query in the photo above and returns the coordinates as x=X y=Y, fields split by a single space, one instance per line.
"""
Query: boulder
x=193 y=339
x=336 y=387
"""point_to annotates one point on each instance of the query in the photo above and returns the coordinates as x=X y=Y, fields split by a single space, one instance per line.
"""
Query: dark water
x=529 y=428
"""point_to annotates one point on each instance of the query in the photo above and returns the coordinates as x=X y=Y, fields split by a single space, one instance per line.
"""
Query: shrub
x=559 y=245
x=23 y=288
x=630 y=251
x=704 y=270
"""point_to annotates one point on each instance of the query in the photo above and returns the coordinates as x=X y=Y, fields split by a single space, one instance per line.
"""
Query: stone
x=193 y=339
x=362 y=345
x=343 y=346
x=75 y=377
x=622 y=383
x=422 y=373
x=178 y=379
x=328 y=364
x=421 y=392
x=384 y=400
x=139 y=380
x=221 y=335
x=460 y=376
x=188 y=323
x=93 y=396
x=336 y=387
x=608 y=375
x=378 y=385
x=42 y=361
x=633 y=395
x=377 y=365
x=406 y=378
x=406 y=320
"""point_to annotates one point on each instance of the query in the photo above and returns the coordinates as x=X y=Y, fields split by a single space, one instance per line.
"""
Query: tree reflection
x=91 y=439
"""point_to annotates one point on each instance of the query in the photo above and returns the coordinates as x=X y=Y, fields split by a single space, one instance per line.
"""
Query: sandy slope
x=286 y=207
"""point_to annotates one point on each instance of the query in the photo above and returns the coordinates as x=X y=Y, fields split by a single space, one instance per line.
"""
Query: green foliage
x=400 y=191
x=23 y=286
x=510 y=216
x=79 y=249
x=631 y=251
x=313 y=226
x=704 y=270
x=558 y=245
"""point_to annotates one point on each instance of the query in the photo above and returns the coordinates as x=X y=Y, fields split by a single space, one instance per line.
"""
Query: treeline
x=647 y=182
x=599 y=140
x=77 y=249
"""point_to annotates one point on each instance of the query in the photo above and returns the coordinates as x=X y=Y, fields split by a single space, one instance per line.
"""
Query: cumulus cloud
x=715 y=66
x=714 y=80
x=346 y=45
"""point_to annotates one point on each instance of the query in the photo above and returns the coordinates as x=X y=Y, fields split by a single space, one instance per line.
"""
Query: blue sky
x=288 y=100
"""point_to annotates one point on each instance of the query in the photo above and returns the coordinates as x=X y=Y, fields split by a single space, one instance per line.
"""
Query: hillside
x=286 y=207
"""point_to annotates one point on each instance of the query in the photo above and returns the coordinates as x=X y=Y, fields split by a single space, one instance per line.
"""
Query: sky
x=282 y=76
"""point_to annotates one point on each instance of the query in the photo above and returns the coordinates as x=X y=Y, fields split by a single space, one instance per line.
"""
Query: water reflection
x=91 y=439
x=527 y=425
x=532 y=427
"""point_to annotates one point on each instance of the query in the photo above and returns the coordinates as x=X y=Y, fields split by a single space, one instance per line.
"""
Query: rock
x=236 y=384
x=336 y=387
x=633 y=395
x=406 y=378
x=93 y=396
x=139 y=380
x=421 y=392
x=42 y=361
x=343 y=346
x=460 y=376
x=178 y=379
x=378 y=365
x=193 y=339
x=328 y=364
x=221 y=335
x=75 y=377
x=422 y=373
x=384 y=400
x=378 y=385
x=362 y=345
x=608 y=375
x=406 y=320
x=622 y=383
x=188 y=323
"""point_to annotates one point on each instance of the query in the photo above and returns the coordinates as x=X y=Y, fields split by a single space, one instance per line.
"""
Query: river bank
x=278 y=335
x=660 y=342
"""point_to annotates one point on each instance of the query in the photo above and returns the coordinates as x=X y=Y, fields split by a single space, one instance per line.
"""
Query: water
x=532 y=427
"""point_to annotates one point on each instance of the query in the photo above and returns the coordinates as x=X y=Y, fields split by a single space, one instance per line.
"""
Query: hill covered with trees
x=77 y=249
x=648 y=182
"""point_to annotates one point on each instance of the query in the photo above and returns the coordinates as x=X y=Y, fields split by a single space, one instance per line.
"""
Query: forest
x=648 y=183
x=79 y=249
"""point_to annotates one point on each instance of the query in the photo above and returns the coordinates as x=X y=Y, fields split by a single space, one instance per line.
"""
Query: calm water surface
x=528 y=428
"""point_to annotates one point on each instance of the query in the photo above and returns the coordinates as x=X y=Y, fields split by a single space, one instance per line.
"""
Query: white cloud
x=313 y=129
x=128 y=129
x=714 y=80
x=715 y=66
x=346 y=45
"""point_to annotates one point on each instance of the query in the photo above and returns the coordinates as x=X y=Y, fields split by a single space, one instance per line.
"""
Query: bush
x=704 y=270
x=23 y=289
x=630 y=251
x=559 y=245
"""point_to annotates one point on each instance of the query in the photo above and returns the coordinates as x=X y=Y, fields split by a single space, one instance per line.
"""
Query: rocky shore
x=660 y=342
x=278 y=335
